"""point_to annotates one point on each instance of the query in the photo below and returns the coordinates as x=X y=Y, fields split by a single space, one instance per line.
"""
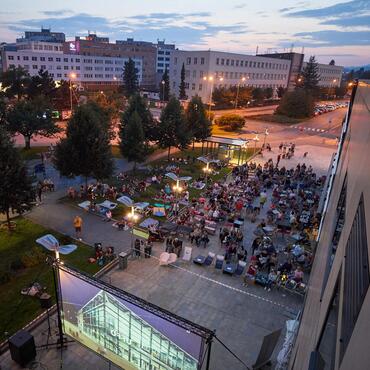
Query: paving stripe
x=230 y=287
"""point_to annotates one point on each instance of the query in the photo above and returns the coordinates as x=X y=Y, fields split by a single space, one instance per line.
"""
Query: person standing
x=39 y=191
x=77 y=223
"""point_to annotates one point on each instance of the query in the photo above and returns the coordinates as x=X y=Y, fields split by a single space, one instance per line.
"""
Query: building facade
x=90 y=72
x=164 y=52
x=334 y=331
x=118 y=329
x=92 y=45
x=330 y=75
x=206 y=70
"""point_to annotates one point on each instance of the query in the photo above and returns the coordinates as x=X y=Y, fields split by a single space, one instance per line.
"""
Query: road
x=310 y=129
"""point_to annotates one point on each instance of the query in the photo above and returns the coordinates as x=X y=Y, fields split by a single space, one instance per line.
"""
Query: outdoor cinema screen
x=125 y=334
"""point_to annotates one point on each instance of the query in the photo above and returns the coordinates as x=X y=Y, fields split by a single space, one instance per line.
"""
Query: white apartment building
x=330 y=75
x=206 y=70
x=84 y=70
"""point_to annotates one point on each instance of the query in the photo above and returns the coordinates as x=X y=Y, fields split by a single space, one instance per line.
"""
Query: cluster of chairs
x=230 y=268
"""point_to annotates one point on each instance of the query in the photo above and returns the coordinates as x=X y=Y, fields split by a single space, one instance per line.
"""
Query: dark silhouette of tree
x=172 y=128
x=198 y=122
x=30 y=118
x=182 y=87
x=332 y=62
x=16 y=192
x=15 y=82
x=164 y=88
x=310 y=77
x=138 y=104
x=132 y=144
x=86 y=149
x=296 y=104
x=130 y=79
x=41 y=84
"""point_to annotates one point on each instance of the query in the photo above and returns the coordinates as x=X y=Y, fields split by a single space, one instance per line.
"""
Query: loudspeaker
x=22 y=347
x=45 y=300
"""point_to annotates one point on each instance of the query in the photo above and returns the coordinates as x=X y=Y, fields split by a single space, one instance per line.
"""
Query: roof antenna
x=257 y=50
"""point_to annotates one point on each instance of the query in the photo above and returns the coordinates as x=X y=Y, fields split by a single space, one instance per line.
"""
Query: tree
x=132 y=144
x=164 y=88
x=332 y=62
x=296 y=104
x=138 y=104
x=281 y=91
x=62 y=97
x=130 y=79
x=86 y=150
x=16 y=193
x=223 y=97
x=268 y=92
x=258 y=95
x=172 y=128
x=15 y=82
x=231 y=122
x=30 y=118
x=41 y=84
x=198 y=122
x=311 y=77
x=104 y=115
x=182 y=87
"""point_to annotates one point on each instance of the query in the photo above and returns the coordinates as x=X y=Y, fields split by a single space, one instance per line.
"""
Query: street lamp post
x=255 y=139
x=163 y=82
x=264 y=139
x=132 y=216
x=210 y=78
x=71 y=77
x=237 y=93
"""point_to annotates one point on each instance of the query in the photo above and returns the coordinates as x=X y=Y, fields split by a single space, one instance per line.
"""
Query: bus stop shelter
x=233 y=149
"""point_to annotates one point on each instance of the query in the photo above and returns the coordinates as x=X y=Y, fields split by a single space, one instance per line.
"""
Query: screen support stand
x=209 y=347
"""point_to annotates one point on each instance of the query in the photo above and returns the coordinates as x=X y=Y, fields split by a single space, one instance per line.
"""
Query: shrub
x=5 y=276
x=34 y=257
x=231 y=122
x=17 y=264
x=296 y=104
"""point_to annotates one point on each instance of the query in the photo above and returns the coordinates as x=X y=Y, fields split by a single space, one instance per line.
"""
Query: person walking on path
x=77 y=223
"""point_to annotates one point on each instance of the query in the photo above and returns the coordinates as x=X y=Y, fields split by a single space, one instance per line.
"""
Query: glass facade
x=111 y=324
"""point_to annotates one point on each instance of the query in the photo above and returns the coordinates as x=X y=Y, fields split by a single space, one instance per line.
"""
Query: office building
x=330 y=75
x=334 y=330
x=115 y=327
x=89 y=72
x=92 y=45
x=206 y=70
x=164 y=52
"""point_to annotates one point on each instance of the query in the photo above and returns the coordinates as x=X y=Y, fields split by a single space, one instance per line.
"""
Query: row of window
x=250 y=64
x=66 y=60
x=66 y=68
x=200 y=86
x=163 y=59
x=161 y=52
x=236 y=75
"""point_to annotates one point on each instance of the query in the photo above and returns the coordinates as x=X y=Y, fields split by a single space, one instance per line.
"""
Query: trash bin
x=122 y=260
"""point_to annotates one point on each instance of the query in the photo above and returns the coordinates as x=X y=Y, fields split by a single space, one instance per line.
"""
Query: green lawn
x=277 y=118
x=19 y=247
x=33 y=153
x=219 y=131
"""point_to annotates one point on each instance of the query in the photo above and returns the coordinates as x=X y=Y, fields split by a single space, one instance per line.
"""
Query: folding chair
x=208 y=261
x=199 y=260
x=240 y=268
x=219 y=262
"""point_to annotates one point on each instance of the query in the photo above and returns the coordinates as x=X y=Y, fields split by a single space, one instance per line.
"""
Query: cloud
x=354 y=21
x=182 y=28
x=240 y=6
x=331 y=38
x=348 y=8
x=55 y=13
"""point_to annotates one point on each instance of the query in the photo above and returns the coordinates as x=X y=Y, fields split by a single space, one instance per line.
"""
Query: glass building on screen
x=108 y=322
